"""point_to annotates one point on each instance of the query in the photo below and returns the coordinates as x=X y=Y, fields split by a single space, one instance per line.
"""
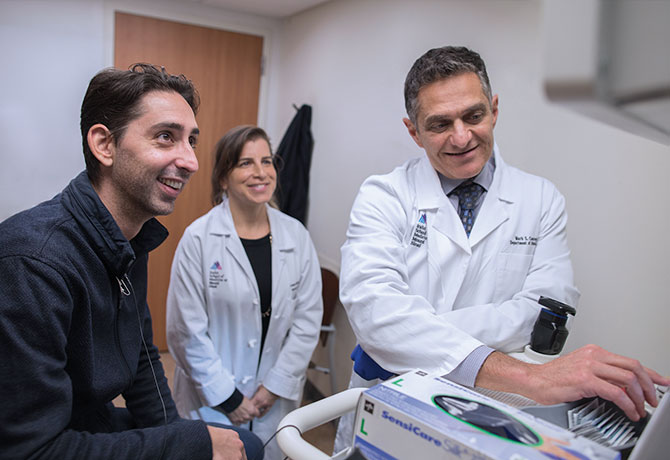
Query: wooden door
x=226 y=69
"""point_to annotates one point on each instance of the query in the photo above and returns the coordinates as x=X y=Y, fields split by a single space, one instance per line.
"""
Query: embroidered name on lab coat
x=523 y=241
x=215 y=275
x=420 y=232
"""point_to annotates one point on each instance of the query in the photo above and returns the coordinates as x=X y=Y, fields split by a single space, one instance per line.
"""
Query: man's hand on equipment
x=226 y=444
x=586 y=372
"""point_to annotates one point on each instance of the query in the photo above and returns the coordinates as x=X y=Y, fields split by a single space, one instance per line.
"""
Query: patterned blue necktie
x=468 y=196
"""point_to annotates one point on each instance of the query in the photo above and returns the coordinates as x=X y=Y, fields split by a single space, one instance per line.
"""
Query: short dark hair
x=438 y=64
x=227 y=153
x=113 y=99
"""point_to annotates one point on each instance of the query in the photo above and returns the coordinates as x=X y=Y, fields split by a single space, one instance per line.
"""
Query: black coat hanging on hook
x=295 y=151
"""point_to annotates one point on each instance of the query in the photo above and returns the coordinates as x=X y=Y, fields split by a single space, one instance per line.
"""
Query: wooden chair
x=330 y=294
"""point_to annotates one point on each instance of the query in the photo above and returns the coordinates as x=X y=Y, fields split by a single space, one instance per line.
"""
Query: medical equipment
x=652 y=442
x=549 y=333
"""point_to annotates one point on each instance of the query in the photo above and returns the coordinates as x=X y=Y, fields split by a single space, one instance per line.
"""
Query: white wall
x=50 y=50
x=349 y=58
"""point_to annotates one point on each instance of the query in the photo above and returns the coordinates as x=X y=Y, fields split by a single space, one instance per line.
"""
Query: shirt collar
x=484 y=178
x=97 y=223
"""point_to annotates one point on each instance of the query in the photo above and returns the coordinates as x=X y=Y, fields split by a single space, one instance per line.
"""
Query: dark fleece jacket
x=72 y=314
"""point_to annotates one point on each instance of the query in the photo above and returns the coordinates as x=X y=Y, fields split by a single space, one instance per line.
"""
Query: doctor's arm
x=586 y=372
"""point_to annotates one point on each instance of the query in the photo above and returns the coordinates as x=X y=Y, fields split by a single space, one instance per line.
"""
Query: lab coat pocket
x=511 y=272
x=282 y=318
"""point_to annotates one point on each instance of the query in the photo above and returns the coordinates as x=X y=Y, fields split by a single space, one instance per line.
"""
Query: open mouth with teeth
x=173 y=184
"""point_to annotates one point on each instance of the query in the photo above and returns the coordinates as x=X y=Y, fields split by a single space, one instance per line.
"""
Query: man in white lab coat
x=447 y=256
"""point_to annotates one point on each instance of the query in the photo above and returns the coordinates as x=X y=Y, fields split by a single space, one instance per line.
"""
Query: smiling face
x=153 y=160
x=252 y=181
x=455 y=124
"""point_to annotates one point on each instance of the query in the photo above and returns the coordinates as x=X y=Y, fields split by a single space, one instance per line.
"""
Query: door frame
x=205 y=16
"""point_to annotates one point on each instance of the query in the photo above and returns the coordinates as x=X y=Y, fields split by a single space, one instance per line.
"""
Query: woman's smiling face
x=253 y=179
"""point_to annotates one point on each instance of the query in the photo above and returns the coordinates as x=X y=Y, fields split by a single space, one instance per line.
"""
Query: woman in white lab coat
x=244 y=303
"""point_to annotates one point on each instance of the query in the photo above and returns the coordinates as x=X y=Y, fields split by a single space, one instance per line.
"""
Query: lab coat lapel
x=448 y=224
x=431 y=196
x=282 y=243
x=495 y=208
x=233 y=245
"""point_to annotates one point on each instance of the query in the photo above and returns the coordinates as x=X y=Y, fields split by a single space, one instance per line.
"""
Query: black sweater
x=70 y=338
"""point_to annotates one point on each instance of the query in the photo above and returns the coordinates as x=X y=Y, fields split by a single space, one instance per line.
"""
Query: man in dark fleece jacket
x=75 y=329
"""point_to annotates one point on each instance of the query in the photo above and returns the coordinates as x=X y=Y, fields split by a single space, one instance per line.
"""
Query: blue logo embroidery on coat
x=216 y=275
x=420 y=232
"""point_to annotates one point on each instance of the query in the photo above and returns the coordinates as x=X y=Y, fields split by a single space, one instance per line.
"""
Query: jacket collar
x=100 y=228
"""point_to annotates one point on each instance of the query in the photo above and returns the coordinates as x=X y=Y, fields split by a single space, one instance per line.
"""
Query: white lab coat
x=425 y=296
x=214 y=323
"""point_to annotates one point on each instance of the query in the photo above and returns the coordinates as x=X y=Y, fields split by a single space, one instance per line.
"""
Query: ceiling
x=270 y=8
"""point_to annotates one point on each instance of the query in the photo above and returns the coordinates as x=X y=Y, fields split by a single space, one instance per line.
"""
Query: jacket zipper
x=123 y=286
x=125 y=290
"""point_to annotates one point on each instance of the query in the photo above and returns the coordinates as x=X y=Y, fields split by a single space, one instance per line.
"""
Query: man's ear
x=494 y=109
x=101 y=143
x=411 y=129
